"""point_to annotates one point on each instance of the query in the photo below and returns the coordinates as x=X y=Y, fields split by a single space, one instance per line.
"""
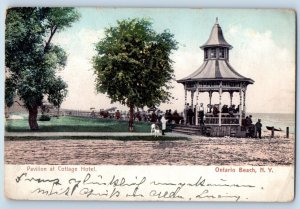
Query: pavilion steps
x=187 y=129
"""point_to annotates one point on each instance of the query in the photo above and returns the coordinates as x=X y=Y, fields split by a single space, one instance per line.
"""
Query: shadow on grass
x=70 y=128
x=77 y=124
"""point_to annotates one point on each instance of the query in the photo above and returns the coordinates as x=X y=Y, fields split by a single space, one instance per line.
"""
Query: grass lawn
x=77 y=124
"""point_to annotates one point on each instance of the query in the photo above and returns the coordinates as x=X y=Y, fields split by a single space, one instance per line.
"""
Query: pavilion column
x=192 y=104
x=185 y=94
x=196 y=107
x=185 y=105
x=240 y=108
x=231 y=96
x=210 y=96
x=244 y=101
x=220 y=103
x=192 y=98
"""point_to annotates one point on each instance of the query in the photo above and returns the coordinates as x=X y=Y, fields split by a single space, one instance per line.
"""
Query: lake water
x=278 y=120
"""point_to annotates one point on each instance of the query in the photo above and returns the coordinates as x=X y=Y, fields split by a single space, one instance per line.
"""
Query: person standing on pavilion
x=208 y=109
x=185 y=111
x=190 y=115
x=201 y=114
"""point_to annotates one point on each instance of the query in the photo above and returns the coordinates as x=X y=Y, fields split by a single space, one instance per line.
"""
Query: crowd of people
x=156 y=116
x=153 y=116
x=189 y=117
x=230 y=109
x=211 y=111
x=252 y=130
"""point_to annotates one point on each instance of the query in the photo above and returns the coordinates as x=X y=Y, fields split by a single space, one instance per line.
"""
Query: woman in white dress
x=163 y=124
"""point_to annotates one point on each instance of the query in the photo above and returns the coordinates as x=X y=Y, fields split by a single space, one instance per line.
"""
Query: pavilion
x=217 y=75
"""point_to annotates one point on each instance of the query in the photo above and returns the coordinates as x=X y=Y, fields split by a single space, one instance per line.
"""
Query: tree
x=57 y=93
x=31 y=60
x=133 y=64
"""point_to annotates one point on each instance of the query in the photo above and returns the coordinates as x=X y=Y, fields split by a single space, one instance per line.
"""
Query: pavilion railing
x=226 y=119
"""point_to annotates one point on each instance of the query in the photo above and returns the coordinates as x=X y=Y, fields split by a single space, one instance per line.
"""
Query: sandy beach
x=197 y=151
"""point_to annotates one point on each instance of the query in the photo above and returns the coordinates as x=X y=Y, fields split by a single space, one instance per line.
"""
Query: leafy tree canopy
x=31 y=60
x=133 y=64
x=57 y=92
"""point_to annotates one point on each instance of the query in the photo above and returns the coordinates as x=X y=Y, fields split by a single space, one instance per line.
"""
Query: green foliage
x=45 y=118
x=57 y=92
x=31 y=60
x=10 y=92
x=133 y=64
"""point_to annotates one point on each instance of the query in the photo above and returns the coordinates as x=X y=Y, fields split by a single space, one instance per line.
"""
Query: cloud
x=87 y=39
x=255 y=55
x=272 y=68
x=79 y=70
x=81 y=42
x=233 y=30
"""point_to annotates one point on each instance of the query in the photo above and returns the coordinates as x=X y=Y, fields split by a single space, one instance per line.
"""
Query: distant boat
x=271 y=127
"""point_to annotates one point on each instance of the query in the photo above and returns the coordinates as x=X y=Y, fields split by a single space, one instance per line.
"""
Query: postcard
x=150 y=104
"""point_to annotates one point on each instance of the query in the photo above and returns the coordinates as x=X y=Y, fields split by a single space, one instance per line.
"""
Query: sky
x=263 y=49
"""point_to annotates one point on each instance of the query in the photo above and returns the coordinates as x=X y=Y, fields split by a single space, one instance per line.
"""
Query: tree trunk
x=6 y=111
x=57 y=112
x=32 y=119
x=131 y=118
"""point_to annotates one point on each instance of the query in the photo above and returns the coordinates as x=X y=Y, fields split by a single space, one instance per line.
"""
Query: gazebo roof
x=216 y=37
x=217 y=70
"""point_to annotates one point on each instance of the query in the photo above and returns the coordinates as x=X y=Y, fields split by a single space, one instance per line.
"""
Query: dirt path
x=199 y=151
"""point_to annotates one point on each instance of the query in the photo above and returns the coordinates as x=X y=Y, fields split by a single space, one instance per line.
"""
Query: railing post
x=287 y=132
x=272 y=132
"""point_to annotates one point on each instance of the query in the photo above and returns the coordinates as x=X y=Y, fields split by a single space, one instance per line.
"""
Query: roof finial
x=217 y=21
